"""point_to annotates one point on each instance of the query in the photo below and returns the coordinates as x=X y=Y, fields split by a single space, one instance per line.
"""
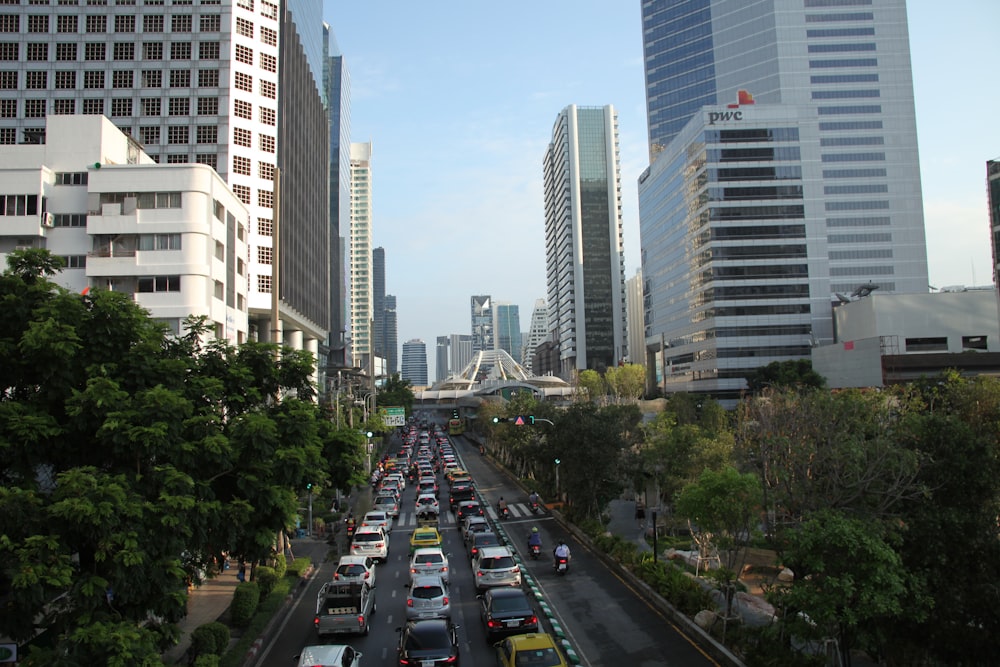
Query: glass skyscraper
x=508 y=329
x=415 y=362
x=784 y=175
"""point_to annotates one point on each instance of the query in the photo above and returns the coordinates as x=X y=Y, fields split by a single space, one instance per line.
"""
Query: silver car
x=428 y=598
x=495 y=566
x=429 y=560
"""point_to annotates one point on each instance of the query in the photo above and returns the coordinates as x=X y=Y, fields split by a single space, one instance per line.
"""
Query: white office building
x=538 y=331
x=173 y=237
x=360 y=253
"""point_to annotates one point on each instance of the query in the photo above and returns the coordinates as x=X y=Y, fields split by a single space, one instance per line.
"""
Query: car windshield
x=425 y=640
x=426 y=500
x=367 y=537
x=543 y=657
x=487 y=541
x=384 y=500
x=351 y=570
x=505 y=604
x=496 y=563
x=424 y=536
x=428 y=558
x=426 y=592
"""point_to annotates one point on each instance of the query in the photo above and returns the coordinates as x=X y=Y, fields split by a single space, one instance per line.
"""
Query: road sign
x=8 y=652
x=393 y=416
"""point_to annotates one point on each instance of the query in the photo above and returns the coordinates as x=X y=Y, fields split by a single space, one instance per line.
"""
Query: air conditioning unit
x=23 y=247
x=48 y=220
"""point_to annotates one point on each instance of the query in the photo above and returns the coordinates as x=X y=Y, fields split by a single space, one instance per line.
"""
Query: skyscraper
x=538 y=331
x=378 y=303
x=391 y=336
x=482 y=323
x=415 y=362
x=993 y=198
x=585 y=263
x=460 y=352
x=441 y=358
x=361 y=254
x=634 y=319
x=785 y=173
x=235 y=85
x=338 y=94
x=507 y=325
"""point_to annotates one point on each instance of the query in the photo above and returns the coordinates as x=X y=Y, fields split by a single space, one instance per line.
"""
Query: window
x=18 y=204
x=152 y=78
x=268 y=62
x=841 y=48
x=927 y=344
x=242 y=192
x=208 y=106
x=74 y=261
x=244 y=81
x=208 y=77
x=93 y=107
x=8 y=80
x=827 y=111
x=243 y=109
x=207 y=158
x=269 y=10
x=854 y=173
x=244 y=27
x=267 y=116
x=93 y=51
x=158 y=284
x=8 y=135
x=268 y=36
x=72 y=178
x=852 y=141
x=121 y=78
x=8 y=51
x=121 y=106
x=177 y=158
x=36 y=80
x=876 y=188
x=159 y=242
x=265 y=170
x=180 y=50
x=207 y=134
x=265 y=255
x=845 y=94
x=152 y=23
x=149 y=134
x=844 y=62
x=268 y=89
x=8 y=108
x=144 y=199
x=241 y=165
x=265 y=226
x=69 y=220
x=93 y=79
x=151 y=106
x=974 y=343
x=66 y=24
x=245 y=4
x=242 y=137
x=267 y=143
x=124 y=51
x=851 y=125
x=66 y=51
x=37 y=51
x=179 y=106
x=180 y=78
x=210 y=23
x=97 y=23
x=853 y=157
x=265 y=198
x=181 y=23
x=177 y=134
x=208 y=51
x=36 y=23
x=244 y=54
x=125 y=23
x=66 y=80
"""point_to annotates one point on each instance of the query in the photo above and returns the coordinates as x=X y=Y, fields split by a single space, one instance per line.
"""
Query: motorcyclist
x=502 y=506
x=535 y=539
x=561 y=551
x=533 y=498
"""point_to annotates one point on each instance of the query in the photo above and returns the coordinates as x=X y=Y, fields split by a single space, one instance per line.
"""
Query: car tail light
x=367 y=574
x=336 y=576
x=491 y=623
x=445 y=601
x=444 y=569
x=515 y=570
x=474 y=552
x=361 y=620
x=379 y=545
x=409 y=603
x=316 y=621
x=479 y=573
x=452 y=660
x=533 y=620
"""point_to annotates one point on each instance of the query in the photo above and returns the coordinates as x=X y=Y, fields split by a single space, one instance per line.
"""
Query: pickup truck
x=344 y=608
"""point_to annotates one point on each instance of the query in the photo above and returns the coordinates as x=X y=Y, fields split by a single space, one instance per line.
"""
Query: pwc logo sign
x=743 y=98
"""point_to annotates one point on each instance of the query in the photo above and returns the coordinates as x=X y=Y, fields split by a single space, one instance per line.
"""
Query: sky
x=458 y=98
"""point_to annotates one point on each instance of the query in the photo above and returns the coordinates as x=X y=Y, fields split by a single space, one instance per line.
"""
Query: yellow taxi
x=458 y=475
x=425 y=536
x=535 y=649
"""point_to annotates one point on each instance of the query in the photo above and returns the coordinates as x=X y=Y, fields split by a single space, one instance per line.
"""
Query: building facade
x=483 y=336
x=360 y=253
x=391 y=336
x=634 y=319
x=585 y=262
x=460 y=352
x=802 y=179
x=172 y=237
x=507 y=325
x=993 y=199
x=415 y=362
x=378 y=304
x=441 y=359
x=235 y=85
x=538 y=330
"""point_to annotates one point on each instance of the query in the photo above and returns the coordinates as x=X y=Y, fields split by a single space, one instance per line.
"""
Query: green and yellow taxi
x=535 y=649
x=424 y=536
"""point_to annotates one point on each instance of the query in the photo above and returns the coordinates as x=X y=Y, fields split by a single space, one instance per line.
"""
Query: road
x=605 y=619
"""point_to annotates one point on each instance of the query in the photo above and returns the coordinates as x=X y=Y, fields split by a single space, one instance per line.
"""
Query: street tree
x=396 y=392
x=791 y=374
x=627 y=383
x=590 y=387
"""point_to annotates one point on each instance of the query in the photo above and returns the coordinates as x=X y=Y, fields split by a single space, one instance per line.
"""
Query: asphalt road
x=606 y=621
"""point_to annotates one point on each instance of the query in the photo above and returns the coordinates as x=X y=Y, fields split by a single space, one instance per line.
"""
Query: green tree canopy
x=785 y=374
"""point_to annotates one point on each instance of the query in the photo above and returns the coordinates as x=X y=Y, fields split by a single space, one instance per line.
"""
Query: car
x=481 y=541
x=424 y=536
x=387 y=504
x=399 y=477
x=430 y=560
x=466 y=509
x=378 y=518
x=428 y=643
x=330 y=655
x=474 y=523
x=344 y=609
x=506 y=611
x=390 y=490
x=461 y=492
x=427 y=486
x=495 y=566
x=428 y=598
x=370 y=541
x=534 y=648
x=355 y=569
x=427 y=504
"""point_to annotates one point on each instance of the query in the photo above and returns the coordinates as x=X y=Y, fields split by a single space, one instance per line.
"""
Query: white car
x=430 y=560
x=331 y=655
x=400 y=479
x=370 y=541
x=427 y=504
x=378 y=518
x=387 y=504
x=356 y=570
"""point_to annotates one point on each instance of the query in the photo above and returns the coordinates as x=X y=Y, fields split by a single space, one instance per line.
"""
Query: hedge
x=280 y=565
x=246 y=597
x=266 y=578
x=298 y=566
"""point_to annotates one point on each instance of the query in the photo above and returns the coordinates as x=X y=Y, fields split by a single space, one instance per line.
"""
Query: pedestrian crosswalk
x=407 y=519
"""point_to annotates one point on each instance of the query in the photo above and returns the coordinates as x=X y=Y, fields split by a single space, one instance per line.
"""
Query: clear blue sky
x=459 y=97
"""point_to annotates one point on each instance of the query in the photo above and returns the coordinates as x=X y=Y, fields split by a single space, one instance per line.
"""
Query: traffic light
x=309 y=486
x=520 y=420
x=454 y=414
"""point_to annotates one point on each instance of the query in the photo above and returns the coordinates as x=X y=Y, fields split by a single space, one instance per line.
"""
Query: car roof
x=425 y=550
x=369 y=529
x=507 y=592
x=532 y=640
x=377 y=513
x=428 y=625
x=487 y=533
x=353 y=560
x=330 y=654
x=426 y=580
x=494 y=552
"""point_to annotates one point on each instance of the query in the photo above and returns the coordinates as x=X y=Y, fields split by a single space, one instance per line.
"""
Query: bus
x=456 y=426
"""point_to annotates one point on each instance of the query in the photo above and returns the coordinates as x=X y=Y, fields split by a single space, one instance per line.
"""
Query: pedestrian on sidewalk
x=241 y=572
x=640 y=513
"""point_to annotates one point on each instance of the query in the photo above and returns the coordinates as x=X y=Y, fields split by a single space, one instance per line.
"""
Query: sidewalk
x=206 y=604
x=624 y=524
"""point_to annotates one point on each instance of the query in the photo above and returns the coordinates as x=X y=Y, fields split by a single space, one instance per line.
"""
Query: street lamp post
x=309 y=530
x=558 y=496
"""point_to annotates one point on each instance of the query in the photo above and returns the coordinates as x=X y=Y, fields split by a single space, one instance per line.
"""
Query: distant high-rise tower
x=507 y=327
x=634 y=319
x=538 y=331
x=361 y=253
x=585 y=261
x=415 y=362
x=461 y=352
x=441 y=359
x=993 y=194
x=784 y=173
x=482 y=323
x=391 y=336
x=378 y=303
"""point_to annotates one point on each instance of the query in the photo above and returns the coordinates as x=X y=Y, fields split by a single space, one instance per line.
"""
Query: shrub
x=222 y=636
x=245 y=601
x=266 y=578
x=298 y=566
x=280 y=565
x=203 y=641
x=206 y=661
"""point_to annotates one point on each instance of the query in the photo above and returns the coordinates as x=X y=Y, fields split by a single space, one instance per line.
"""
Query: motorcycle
x=504 y=513
x=560 y=564
x=534 y=507
x=536 y=551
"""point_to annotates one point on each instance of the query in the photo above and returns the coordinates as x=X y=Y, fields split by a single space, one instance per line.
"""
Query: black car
x=506 y=611
x=461 y=492
x=467 y=508
x=428 y=642
x=481 y=540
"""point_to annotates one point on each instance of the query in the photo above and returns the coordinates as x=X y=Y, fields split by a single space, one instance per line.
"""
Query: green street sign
x=393 y=416
x=8 y=652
